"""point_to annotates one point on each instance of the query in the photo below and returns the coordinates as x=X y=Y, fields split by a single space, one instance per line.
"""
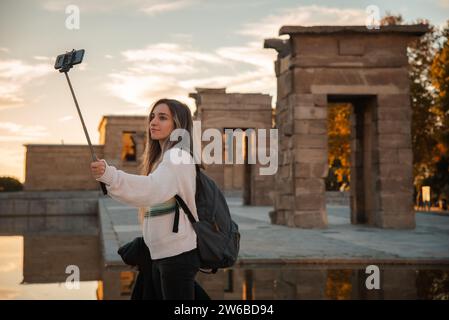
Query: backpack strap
x=180 y=202
x=176 y=221
x=185 y=208
x=198 y=180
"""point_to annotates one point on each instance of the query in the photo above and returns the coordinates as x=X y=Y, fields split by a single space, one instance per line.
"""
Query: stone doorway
x=364 y=169
x=237 y=176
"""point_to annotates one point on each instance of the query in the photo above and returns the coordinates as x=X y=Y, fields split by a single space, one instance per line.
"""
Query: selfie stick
x=94 y=157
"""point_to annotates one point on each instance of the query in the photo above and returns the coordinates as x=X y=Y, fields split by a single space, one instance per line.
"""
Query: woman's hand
x=97 y=168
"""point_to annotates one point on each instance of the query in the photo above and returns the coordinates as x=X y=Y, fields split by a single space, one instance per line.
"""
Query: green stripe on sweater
x=162 y=208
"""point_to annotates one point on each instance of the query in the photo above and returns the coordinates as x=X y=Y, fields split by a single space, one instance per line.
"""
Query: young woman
x=167 y=170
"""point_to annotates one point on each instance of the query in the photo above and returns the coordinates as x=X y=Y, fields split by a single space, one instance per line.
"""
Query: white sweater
x=175 y=174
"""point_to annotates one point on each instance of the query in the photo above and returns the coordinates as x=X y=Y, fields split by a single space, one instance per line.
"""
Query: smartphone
x=69 y=59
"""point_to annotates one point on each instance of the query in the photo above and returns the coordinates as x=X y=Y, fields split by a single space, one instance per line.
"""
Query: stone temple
x=315 y=66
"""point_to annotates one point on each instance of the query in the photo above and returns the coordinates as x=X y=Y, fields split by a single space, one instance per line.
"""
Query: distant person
x=420 y=203
x=174 y=254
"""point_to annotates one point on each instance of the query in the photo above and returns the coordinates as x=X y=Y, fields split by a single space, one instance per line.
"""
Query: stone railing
x=46 y=203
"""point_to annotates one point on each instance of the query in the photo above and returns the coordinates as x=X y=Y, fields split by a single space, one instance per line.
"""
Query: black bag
x=218 y=237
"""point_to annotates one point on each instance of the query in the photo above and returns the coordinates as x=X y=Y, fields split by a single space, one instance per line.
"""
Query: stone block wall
x=59 y=167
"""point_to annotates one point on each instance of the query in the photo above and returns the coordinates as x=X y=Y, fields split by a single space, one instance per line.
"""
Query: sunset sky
x=139 y=51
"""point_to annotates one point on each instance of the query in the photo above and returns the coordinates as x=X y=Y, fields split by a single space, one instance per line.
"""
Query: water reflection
x=33 y=266
x=329 y=282
x=35 y=252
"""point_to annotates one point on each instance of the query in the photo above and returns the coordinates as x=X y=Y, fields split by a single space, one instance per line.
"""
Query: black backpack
x=218 y=237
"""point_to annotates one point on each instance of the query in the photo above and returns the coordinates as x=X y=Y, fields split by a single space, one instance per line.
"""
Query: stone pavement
x=264 y=243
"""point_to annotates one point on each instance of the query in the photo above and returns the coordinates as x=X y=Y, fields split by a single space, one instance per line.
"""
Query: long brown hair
x=153 y=152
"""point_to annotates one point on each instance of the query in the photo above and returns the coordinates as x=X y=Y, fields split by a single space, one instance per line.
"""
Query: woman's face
x=161 y=122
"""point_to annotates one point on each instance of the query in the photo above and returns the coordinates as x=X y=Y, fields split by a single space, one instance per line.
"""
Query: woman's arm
x=144 y=191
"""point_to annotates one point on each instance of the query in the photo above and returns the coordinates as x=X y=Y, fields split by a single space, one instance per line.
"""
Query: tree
x=339 y=135
x=424 y=140
x=423 y=100
x=10 y=184
x=391 y=20
x=439 y=77
x=439 y=74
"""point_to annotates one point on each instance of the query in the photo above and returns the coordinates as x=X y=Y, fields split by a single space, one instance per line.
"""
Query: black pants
x=174 y=277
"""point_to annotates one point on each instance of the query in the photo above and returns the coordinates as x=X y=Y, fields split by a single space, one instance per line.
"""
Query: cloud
x=443 y=3
x=182 y=37
x=12 y=152
x=10 y=131
x=142 y=90
x=42 y=58
x=261 y=77
x=12 y=158
x=14 y=76
x=269 y=26
x=169 y=53
x=65 y=119
x=8 y=267
x=252 y=53
x=167 y=6
x=171 y=70
x=83 y=66
x=174 y=70
x=91 y=5
x=156 y=71
x=145 y=6
x=238 y=5
x=258 y=81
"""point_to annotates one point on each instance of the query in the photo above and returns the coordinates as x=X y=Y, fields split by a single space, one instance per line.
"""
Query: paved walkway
x=341 y=242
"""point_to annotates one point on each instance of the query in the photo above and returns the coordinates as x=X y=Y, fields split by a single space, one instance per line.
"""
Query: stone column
x=301 y=118
x=310 y=159
x=364 y=163
x=395 y=184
